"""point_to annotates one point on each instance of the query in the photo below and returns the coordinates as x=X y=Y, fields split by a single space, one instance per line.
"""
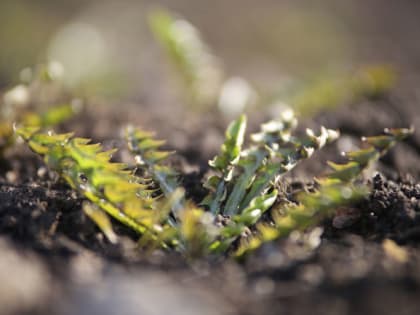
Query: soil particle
x=391 y=211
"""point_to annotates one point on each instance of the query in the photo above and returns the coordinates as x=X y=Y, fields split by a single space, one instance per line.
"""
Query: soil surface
x=55 y=261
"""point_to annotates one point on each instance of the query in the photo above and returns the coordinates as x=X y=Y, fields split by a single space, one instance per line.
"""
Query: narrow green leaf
x=101 y=219
x=249 y=166
x=256 y=208
x=231 y=148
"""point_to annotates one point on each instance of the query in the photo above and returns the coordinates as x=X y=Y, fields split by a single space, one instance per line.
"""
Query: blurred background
x=107 y=45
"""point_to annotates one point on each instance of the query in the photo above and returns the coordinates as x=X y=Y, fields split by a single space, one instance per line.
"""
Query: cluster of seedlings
x=244 y=207
x=230 y=218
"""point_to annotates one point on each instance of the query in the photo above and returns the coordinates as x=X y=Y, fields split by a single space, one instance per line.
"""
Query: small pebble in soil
x=264 y=286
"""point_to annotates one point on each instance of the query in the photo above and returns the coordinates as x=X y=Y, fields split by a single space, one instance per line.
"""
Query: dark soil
x=55 y=261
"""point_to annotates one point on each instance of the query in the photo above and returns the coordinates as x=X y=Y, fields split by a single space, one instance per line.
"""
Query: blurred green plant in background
x=39 y=100
x=329 y=92
x=205 y=84
x=197 y=66
x=106 y=51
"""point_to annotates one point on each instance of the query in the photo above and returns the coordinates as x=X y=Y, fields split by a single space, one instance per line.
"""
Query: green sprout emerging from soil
x=245 y=206
x=241 y=191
